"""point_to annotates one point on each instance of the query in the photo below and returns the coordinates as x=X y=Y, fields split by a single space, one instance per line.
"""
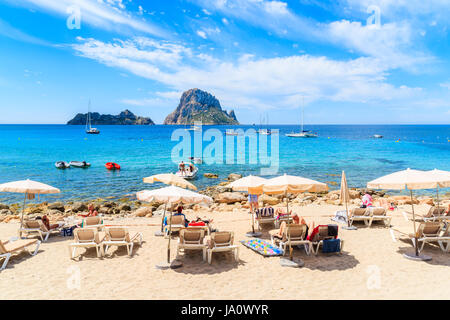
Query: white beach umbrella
x=251 y=185
x=172 y=195
x=292 y=184
x=442 y=178
x=411 y=180
x=29 y=188
x=171 y=179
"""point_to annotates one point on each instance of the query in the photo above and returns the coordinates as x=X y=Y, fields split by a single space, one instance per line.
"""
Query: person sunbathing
x=92 y=212
x=46 y=222
x=296 y=220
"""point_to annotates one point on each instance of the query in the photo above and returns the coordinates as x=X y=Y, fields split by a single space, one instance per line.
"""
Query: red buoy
x=112 y=166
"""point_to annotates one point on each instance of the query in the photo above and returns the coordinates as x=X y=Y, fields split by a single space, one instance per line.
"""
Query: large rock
x=230 y=197
x=56 y=206
x=234 y=176
x=198 y=105
x=79 y=207
x=125 y=207
x=266 y=199
x=3 y=206
x=143 y=212
x=211 y=175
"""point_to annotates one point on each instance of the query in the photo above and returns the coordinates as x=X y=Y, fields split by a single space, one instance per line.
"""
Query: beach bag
x=331 y=245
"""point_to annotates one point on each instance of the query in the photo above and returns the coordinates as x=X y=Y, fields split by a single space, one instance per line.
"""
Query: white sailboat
x=89 y=129
x=303 y=133
x=262 y=131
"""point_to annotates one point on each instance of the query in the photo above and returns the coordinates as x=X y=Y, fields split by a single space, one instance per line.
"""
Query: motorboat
x=231 y=132
x=79 y=164
x=194 y=128
x=112 y=166
x=377 y=136
x=62 y=165
x=187 y=174
x=264 y=132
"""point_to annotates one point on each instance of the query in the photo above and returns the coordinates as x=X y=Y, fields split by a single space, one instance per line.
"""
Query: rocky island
x=124 y=118
x=199 y=105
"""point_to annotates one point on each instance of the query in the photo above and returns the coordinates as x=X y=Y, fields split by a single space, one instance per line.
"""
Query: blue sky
x=258 y=57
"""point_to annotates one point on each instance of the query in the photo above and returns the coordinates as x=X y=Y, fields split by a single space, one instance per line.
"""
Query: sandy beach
x=371 y=266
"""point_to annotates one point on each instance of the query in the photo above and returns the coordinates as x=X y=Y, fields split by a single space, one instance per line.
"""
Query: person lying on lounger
x=296 y=220
x=46 y=222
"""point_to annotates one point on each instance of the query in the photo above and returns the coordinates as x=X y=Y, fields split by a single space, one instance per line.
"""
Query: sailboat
x=303 y=133
x=262 y=131
x=89 y=129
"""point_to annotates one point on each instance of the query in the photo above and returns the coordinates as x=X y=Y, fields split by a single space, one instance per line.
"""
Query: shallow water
x=30 y=151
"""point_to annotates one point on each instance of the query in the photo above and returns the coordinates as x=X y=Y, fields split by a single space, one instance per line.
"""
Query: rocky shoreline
x=224 y=200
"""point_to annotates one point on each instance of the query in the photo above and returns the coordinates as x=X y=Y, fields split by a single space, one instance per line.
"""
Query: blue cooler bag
x=331 y=245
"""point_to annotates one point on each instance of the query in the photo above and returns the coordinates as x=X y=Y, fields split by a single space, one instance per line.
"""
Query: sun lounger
x=294 y=234
x=178 y=223
x=87 y=238
x=265 y=216
x=378 y=214
x=119 y=236
x=192 y=239
x=428 y=232
x=433 y=214
x=7 y=248
x=93 y=222
x=222 y=242
x=318 y=239
x=37 y=227
x=359 y=214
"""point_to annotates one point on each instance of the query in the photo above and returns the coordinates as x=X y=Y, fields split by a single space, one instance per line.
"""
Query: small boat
x=302 y=133
x=62 y=165
x=231 y=132
x=89 y=129
x=112 y=166
x=265 y=132
x=79 y=164
x=377 y=136
x=196 y=160
x=188 y=175
x=194 y=128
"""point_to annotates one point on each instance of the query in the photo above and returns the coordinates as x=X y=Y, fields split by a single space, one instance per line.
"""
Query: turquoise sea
x=30 y=151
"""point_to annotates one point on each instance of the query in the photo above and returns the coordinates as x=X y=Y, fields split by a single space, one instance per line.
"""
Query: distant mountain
x=198 y=105
x=124 y=118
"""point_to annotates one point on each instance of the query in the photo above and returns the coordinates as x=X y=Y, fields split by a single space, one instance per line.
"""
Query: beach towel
x=266 y=212
x=262 y=247
x=340 y=216
x=331 y=245
x=333 y=230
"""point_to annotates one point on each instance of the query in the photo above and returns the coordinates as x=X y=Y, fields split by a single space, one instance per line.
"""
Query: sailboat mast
x=303 y=110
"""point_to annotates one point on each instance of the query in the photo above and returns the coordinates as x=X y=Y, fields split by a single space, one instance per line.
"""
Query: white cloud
x=105 y=14
x=206 y=12
x=445 y=85
x=252 y=82
x=201 y=34
x=225 y=21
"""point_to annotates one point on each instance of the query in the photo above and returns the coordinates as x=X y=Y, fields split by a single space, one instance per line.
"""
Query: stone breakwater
x=224 y=200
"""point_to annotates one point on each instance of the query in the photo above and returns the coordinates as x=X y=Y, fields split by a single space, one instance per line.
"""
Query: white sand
x=372 y=267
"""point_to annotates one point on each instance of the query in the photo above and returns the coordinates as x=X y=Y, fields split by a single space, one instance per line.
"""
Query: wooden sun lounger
x=7 y=248
x=359 y=214
x=93 y=222
x=378 y=214
x=87 y=238
x=294 y=234
x=429 y=232
x=37 y=227
x=433 y=214
x=178 y=223
x=119 y=236
x=321 y=236
x=222 y=242
x=265 y=216
x=192 y=239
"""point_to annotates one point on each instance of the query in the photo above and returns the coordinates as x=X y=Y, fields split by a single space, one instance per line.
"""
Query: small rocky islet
x=224 y=200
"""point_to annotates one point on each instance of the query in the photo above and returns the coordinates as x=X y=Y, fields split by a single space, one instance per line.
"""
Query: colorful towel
x=262 y=247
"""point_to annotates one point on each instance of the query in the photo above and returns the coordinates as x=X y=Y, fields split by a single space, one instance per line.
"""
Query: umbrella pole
x=346 y=210
x=414 y=222
x=21 y=217
x=170 y=236
x=437 y=194
x=287 y=202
